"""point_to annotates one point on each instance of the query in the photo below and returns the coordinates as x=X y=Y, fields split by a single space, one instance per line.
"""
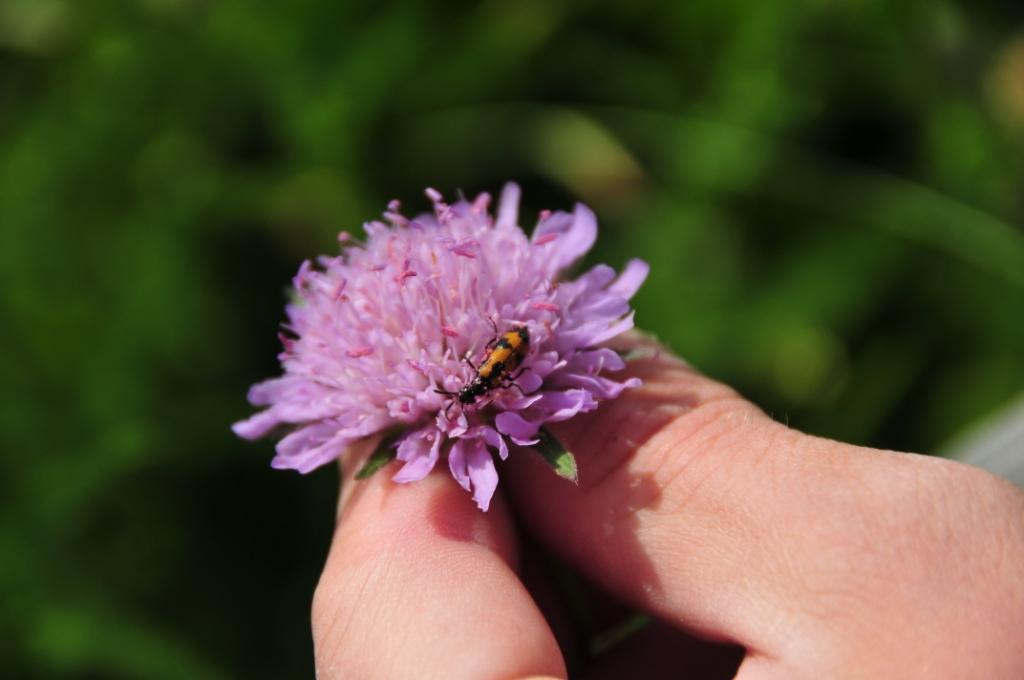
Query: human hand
x=819 y=559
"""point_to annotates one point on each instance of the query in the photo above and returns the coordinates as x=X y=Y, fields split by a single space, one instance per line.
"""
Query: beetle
x=505 y=354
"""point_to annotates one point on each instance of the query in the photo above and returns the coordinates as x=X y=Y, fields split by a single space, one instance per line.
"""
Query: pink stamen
x=481 y=203
x=465 y=248
x=544 y=214
x=344 y=236
x=546 y=306
x=449 y=331
x=417 y=366
x=357 y=352
x=338 y=289
x=299 y=281
x=545 y=238
x=396 y=219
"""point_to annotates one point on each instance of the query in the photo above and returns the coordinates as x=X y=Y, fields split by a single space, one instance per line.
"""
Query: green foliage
x=828 y=194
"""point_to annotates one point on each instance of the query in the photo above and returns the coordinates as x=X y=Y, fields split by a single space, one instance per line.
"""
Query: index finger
x=419 y=583
x=672 y=509
x=813 y=555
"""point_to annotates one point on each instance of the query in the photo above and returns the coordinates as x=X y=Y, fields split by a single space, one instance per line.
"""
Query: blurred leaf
x=67 y=639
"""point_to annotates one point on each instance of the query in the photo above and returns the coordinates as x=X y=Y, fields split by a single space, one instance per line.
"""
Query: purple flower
x=373 y=333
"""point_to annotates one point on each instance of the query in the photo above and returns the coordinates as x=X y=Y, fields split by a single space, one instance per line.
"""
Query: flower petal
x=492 y=437
x=517 y=403
x=529 y=382
x=482 y=473
x=564 y=405
x=310 y=447
x=617 y=328
x=576 y=237
x=631 y=278
x=602 y=305
x=595 y=361
x=544 y=364
x=508 y=206
x=600 y=387
x=595 y=280
x=420 y=451
x=551 y=227
x=257 y=425
x=455 y=428
x=515 y=425
x=457 y=462
x=269 y=391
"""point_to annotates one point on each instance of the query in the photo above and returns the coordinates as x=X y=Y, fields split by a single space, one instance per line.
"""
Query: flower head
x=388 y=332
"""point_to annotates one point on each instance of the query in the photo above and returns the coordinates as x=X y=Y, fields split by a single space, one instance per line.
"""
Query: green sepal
x=636 y=353
x=384 y=454
x=557 y=456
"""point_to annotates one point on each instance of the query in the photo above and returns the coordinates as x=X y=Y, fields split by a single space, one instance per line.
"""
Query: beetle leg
x=510 y=381
x=494 y=340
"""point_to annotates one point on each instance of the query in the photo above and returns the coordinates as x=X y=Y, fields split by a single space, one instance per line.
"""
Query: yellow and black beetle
x=505 y=355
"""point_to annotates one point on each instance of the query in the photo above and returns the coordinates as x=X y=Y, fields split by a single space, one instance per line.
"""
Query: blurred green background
x=829 y=193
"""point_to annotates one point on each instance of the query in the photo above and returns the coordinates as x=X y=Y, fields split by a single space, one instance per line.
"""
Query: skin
x=811 y=558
